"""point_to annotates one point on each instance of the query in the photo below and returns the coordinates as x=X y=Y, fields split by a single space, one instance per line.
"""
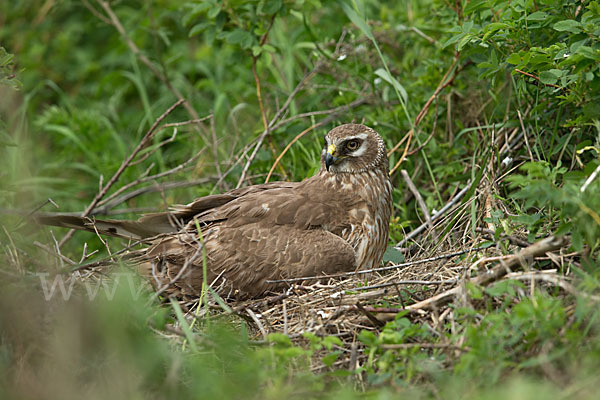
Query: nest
x=425 y=290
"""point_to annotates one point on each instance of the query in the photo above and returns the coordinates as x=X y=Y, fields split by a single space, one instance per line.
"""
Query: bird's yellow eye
x=352 y=144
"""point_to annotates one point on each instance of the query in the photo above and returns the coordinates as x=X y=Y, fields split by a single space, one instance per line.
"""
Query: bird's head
x=353 y=148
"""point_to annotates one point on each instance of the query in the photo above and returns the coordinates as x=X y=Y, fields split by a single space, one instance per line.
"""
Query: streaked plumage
x=334 y=221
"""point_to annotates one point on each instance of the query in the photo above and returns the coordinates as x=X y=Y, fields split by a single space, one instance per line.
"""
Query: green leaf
x=239 y=36
x=185 y=327
x=5 y=138
x=198 y=28
x=495 y=26
x=453 y=39
x=514 y=59
x=279 y=338
x=213 y=12
x=383 y=74
x=475 y=291
x=463 y=42
x=367 y=337
x=589 y=53
x=393 y=255
x=537 y=16
x=476 y=5
x=568 y=25
x=550 y=77
x=356 y=20
x=504 y=287
x=329 y=341
x=257 y=51
x=272 y=6
x=329 y=359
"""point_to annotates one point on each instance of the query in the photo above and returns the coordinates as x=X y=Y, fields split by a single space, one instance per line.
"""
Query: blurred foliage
x=87 y=93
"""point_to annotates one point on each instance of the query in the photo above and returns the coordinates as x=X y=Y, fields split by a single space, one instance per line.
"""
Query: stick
x=369 y=315
x=441 y=86
x=435 y=217
x=537 y=79
x=123 y=166
x=114 y=21
x=418 y=197
x=590 y=179
x=368 y=271
x=527 y=254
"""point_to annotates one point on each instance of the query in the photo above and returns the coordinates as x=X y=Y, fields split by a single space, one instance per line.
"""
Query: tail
x=138 y=230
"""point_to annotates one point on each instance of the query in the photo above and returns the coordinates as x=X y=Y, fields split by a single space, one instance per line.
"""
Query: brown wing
x=267 y=235
x=240 y=260
x=185 y=213
x=307 y=205
x=151 y=225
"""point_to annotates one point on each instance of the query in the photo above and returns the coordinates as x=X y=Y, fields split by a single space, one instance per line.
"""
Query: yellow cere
x=331 y=149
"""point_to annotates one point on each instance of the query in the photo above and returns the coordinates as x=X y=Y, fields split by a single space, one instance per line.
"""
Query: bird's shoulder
x=309 y=204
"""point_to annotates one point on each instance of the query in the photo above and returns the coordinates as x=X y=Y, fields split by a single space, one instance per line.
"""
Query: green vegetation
x=503 y=95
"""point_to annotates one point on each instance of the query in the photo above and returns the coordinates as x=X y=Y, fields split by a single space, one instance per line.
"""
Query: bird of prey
x=334 y=221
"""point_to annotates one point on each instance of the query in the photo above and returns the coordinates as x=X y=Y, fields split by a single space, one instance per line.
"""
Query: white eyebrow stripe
x=361 y=136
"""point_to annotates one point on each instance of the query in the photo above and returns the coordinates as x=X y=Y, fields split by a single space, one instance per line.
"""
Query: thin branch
x=149 y=189
x=335 y=110
x=272 y=126
x=525 y=135
x=423 y=346
x=382 y=269
x=406 y=282
x=590 y=179
x=537 y=79
x=123 y=166
x=144 y=179
x=435 y=216
x=445 y=82
x=298 y=137
x=529 y=253
x=369 y=315
x=309 y=129
x=260 y=105
x=114 y=21
x=418 y=197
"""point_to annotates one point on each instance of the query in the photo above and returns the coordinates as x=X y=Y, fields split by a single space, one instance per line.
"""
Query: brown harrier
x=334 y=221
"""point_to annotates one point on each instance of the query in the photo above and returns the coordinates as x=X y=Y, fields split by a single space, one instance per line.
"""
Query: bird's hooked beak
x=331 y=156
